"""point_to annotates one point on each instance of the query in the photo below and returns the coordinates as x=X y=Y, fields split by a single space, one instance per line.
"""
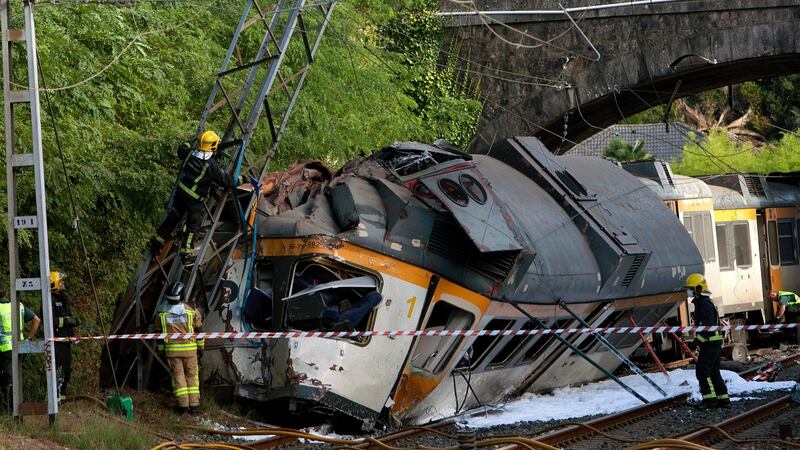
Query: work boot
x=188 y=246
x=724 y=402
x=182 y=410
x=195 y=410
x=707 y=403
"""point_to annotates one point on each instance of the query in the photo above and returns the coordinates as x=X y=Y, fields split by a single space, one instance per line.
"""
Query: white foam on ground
x=606 y=397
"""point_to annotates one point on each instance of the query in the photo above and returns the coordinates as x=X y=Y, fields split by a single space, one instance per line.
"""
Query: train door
x=432 y=358
x=765 y=255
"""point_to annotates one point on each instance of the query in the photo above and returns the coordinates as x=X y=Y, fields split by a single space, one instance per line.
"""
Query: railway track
x=774 y=420
x=389 y=438
x=587 y=436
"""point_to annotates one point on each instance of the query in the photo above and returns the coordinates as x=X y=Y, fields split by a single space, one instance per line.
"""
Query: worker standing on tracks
x=709 y=343
x=6 y=362
x=178 y=317
x=64 y=324
x=788 y=310
x=201 y=171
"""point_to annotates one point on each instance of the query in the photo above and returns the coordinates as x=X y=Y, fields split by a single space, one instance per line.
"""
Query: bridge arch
x=648 y=55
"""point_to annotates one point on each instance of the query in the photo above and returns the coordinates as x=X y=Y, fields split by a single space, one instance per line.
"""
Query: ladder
x=25 y=164
x=260 y=84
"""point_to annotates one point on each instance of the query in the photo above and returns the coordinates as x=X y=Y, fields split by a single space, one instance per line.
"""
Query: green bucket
x=120 y=404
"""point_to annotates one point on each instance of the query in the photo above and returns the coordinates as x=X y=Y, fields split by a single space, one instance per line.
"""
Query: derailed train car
x=426 y=237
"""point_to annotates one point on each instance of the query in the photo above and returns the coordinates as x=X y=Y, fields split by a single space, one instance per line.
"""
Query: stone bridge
x=563 y=77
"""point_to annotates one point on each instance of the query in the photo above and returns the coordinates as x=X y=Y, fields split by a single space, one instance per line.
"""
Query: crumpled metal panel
x=485 y=223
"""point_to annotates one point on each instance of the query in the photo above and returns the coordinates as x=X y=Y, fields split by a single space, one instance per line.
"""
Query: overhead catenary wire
x=76 y=220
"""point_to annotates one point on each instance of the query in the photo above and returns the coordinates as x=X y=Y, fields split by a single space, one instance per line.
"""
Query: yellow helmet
x=56 y=278
x=209 y=141
x=696 y=280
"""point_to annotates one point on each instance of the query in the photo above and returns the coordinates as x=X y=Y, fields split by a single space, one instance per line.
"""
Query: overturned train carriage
x=423 y=236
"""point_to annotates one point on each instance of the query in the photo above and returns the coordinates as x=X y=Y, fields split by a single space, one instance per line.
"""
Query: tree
x=624 y=152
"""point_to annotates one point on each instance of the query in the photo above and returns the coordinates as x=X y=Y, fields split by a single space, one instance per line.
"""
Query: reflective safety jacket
x=200 y=172
x=790 y=299
x=5 y=325
x=705 y=314
x=180 y=318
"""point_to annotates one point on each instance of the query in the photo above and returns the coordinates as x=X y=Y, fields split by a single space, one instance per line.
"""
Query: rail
x=574 y=433
x=739 y=423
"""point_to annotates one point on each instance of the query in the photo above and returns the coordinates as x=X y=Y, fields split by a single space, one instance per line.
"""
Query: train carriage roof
x=516 y=223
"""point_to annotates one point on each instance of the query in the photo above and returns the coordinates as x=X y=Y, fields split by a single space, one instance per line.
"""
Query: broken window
x=327 y=295
x=541 y=342
x=434 y=352
x=512 y=347
x=484 y=344
x=257 y=310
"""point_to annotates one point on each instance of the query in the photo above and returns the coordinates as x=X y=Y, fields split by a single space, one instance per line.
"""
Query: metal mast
x=19 y=162
x=255 y=83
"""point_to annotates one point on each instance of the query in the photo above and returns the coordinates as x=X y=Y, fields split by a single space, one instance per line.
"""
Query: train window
x=786 y=239
x=327 y=295
x=484 y=344
x=434 y=352
x=512 y=345
x=257 y=310
x=542 y=341
x=454 y=192
x=473 y=187
x=723 y=249
x=772 y=230
x=698 y=224
x=741 y=244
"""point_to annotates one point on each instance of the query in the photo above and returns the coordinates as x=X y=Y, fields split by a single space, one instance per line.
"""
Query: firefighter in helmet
x=709 y=343
x=177 y=317
x=64 y=324
x=201 y=171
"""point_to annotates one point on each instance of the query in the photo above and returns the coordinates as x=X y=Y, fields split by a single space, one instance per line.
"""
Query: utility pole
x=19 y=163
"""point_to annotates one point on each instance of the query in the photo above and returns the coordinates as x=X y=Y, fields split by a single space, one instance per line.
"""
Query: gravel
x=672 y=421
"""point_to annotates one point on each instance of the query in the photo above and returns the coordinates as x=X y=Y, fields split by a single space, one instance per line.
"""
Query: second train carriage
x=426 y=237
x=745 y=227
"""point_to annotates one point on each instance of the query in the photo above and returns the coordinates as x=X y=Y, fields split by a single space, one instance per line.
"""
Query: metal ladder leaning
x=246 y=90
x=29 y=165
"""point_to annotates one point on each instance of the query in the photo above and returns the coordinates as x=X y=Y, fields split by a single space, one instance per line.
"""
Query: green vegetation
x=83 y=430
x=624 y=152
x=130 y=83
x=718 y=153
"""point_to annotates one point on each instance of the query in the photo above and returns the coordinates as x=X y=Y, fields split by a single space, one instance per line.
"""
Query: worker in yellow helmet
x=200 y=173
x=64 y=324
x=709 y=343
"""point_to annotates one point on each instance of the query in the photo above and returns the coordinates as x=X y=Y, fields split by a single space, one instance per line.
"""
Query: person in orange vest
x=178 y=317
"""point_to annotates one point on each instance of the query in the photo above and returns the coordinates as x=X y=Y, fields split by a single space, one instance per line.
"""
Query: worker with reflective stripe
x=789 y=310
x=178 y=317
x=709 y=343
x=64 y=324
x=25 y=315
x=201 y=171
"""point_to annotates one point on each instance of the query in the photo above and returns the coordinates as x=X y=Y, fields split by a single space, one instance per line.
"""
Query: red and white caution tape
x=409 y=333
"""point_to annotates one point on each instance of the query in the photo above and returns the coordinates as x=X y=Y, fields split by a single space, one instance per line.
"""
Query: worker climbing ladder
x=255 y=83
x=23 y=164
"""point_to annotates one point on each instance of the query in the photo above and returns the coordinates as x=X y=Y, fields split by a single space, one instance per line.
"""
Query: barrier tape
x=415 y=333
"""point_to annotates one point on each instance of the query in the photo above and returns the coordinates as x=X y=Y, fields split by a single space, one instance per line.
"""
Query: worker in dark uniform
x=788 y=310
x=64 y=324
x=200 y=173
x=709 y=343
